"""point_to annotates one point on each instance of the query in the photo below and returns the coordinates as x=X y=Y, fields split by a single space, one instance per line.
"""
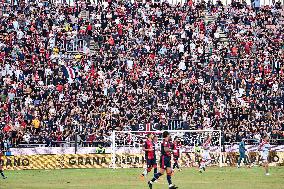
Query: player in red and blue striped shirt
x=165 y=162
x=176 y=153
x=150 y=155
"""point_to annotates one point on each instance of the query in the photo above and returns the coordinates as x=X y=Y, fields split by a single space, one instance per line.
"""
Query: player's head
x=166 y=135
x=150 y=136
x=176 y=138
x=266 y=138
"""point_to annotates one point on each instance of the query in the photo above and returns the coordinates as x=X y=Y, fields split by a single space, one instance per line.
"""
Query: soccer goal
x=127 y=147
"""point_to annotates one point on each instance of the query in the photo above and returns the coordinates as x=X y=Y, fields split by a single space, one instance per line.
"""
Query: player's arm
x=174 y=148
x=245 y=150
x=269 y=147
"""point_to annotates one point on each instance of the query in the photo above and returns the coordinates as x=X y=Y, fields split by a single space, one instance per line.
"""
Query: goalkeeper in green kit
x=197 y=152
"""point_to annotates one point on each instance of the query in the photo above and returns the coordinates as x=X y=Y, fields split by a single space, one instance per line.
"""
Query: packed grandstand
x=76 y=73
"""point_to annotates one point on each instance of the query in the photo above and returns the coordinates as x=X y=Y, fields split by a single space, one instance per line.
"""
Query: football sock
x=145 y=172
x=2 y=174
x=169 y=178
x=155 y=177
x=155 y=170
x=175 y=164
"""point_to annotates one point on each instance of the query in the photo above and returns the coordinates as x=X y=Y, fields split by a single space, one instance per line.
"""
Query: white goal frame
x=113 y=145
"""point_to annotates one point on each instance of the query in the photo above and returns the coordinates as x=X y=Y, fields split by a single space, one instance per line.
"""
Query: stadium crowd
x=150 y=63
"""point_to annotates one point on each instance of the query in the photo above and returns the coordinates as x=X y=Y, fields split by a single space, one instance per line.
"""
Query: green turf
x=213 y=178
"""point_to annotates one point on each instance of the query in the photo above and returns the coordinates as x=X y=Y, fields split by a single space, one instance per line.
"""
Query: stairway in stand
x=212 y=18
x=84 y=14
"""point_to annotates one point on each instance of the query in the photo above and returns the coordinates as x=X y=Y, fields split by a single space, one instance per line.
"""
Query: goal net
x=127 y=146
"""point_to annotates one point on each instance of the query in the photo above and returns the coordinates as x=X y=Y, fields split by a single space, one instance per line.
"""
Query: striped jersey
x=165 y=144
x=206 y=145
x=264 y=147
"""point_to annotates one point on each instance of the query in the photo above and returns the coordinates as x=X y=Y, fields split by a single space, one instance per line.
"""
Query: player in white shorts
x=206 y=159
x=264 y=148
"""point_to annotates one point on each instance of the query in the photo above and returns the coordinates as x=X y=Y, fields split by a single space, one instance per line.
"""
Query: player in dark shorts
x=1 y=168
x=176 y=153
x=150 y=155
x=165 y=163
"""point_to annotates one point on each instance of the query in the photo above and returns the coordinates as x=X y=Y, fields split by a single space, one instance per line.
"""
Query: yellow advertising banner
x=56 y=161
x=122 y=160
x=231 y=158
x=190 y=159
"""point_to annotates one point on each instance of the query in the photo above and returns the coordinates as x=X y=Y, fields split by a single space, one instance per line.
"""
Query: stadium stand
x=88 y=69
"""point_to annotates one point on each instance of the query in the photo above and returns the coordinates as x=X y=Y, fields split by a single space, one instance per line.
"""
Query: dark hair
x=149 y=134
x=165 y=134
x=176 y=137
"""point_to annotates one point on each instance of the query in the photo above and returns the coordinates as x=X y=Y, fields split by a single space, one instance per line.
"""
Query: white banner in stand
x=54 y=150
x=92 y=150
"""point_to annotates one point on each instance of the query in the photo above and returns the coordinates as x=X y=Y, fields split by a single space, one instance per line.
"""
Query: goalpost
x=127 y=146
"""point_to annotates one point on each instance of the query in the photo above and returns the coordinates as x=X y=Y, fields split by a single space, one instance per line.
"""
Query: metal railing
x=273 y=141
x=85 y=143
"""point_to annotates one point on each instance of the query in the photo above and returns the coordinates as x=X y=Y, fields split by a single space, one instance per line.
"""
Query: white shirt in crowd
x=27 y=137
x=216 y=35
x=181 y=48
x=182 y=65
x=275 y=87
x=129 y=64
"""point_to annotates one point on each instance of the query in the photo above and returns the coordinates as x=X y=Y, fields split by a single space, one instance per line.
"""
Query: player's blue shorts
x=151 y=163
x=165 y=162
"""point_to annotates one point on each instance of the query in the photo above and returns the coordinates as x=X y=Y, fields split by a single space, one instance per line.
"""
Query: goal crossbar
x=114 y=133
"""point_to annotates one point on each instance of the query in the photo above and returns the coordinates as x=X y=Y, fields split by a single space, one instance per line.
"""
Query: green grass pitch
x=190 y=178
